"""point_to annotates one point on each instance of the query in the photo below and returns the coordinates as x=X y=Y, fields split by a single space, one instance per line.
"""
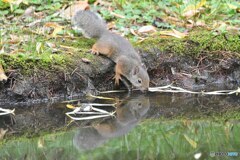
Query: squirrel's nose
x=144 y=90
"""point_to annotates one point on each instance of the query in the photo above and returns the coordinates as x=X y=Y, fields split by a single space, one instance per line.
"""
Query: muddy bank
x=192 y=73
x=211 y=68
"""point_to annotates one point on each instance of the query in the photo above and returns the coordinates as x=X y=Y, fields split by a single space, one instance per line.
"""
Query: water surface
x=150 y=126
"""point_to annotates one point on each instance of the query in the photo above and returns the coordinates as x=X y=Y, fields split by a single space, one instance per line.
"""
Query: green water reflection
x=150 y=139
x=145 y=127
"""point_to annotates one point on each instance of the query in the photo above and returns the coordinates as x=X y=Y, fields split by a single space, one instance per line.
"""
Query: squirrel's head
x=140 y=78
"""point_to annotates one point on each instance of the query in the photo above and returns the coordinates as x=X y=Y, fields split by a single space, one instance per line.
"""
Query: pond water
x=149 y=126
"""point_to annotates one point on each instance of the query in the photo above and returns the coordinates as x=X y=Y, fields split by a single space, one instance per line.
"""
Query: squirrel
x=113 y=46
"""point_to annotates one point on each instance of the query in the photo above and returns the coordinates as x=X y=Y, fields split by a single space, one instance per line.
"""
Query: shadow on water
x=150 y=126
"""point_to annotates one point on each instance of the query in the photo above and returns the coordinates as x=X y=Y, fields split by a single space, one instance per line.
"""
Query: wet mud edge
x=82 y=78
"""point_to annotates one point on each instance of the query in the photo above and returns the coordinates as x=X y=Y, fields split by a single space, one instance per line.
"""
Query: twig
x=173 y=89
x=88 y=109
x=7 y=111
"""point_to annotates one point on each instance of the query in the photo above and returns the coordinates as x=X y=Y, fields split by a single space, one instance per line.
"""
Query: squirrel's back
x=91 y=25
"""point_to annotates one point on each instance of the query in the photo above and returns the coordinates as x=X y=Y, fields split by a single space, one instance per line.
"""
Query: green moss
x=27 y=64
x=69 y=52
x=196 y=43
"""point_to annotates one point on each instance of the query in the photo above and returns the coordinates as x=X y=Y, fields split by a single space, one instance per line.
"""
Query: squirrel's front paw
x=117 y=77
x=93 y=51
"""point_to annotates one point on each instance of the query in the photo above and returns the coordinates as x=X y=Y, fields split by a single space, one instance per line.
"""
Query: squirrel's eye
x=139 y=81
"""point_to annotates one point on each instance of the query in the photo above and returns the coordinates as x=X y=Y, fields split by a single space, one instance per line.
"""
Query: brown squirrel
x=118 y=49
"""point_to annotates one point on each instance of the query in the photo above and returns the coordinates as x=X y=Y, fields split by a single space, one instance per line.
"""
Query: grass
x=25 y=47
x=198 y=42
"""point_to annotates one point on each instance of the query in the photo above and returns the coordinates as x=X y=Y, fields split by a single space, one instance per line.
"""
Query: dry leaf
x=14 y=39
x=180 y=34
x=133 y=32
x=2 y=74
x=200 y=24
x=192 y=10
x=195 y=7
x=51 y=45
x=57 y=28
x=69 y=12
x=70 y=106
x=117 y=15
x=111 y=25
x=190 y=13
x=2 y=132
x=147 y=29
x=17 y=2
x=174 y=33
x=85 y=60
x=17 y=51
x=8 y=1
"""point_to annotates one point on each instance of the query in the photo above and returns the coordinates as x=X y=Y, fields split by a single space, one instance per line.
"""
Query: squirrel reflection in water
x=128 y=113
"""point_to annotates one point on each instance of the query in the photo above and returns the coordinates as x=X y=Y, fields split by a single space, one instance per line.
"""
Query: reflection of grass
x=150 y=140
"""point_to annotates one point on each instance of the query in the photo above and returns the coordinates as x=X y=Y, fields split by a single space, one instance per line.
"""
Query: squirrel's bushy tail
x=91 y=24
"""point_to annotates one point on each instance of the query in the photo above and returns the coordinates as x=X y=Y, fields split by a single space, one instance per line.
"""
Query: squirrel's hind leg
x=102 y=48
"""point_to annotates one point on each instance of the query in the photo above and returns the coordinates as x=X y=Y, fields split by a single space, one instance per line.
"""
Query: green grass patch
x=196 y=43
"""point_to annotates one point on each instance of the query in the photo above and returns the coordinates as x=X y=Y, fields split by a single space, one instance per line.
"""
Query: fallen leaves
x=14 y=39
x=17 y=2
x=56 y=28
x=117 y=15
x=191 y=10
x=147 y=29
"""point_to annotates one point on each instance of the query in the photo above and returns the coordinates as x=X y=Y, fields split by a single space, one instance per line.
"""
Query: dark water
x=150 y=126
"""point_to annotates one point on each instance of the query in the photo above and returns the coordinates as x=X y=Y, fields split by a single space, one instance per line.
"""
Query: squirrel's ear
x=144 y=67
x=135 y=70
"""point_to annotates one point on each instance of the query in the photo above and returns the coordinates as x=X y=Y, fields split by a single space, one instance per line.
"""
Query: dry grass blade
x=85 y=113
x=6 y=111
x=173 y=89
x=100 y=97
x=87 y=118
x=98 y=104
x=113 y=91
x=70 y=101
